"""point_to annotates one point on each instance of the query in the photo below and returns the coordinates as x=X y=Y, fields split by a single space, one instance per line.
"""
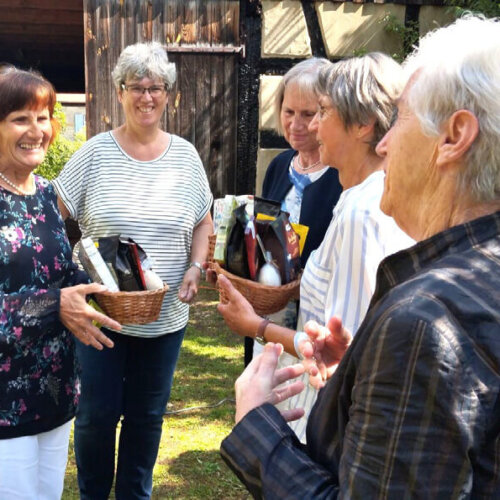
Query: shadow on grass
x=213 y=478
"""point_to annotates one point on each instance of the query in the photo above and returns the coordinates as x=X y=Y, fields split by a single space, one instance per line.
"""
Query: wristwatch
x=259 y=336
x=199 y=266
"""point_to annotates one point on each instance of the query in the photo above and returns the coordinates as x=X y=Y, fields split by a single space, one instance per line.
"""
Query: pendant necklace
x=17 y=188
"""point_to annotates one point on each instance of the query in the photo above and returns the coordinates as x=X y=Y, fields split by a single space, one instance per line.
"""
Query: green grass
x=189 y=465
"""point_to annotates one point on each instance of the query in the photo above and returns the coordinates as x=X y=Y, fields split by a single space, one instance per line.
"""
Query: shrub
x=61 y=149
x=490 y=8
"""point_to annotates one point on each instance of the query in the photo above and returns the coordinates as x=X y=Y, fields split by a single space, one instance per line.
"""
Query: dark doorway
x=46 y=35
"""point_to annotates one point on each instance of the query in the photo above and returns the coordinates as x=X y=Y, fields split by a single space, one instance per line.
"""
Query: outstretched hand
x=324 y=349
x=258 y=384
x=237 y=312
x=77 y=316
x=189 y=286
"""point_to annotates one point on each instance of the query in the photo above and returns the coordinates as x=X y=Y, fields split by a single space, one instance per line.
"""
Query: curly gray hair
x=144 y=60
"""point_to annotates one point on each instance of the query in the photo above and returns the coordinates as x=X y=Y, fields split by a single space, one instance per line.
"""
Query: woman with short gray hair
x=306 y=188
x=356 y=100
x=143 y=60
x=142 y=182
x=363 y=90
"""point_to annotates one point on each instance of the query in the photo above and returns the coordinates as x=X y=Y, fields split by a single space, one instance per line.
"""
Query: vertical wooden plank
x=230 y=23
x=189 y=34
x=201 y=83
x=158 y=25
x=187 y=106
x=215 y=166
x=129 y=21
x=202 y=24
x=90 y=65
x=230 y=117
x=214 y=21
x=103 y=67
x=113 y=51
x=172 y=12
x=235 y=16
x=141 y=21
x=158 y=35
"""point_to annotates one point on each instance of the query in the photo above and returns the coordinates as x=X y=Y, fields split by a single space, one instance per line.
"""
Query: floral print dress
x=39 y=385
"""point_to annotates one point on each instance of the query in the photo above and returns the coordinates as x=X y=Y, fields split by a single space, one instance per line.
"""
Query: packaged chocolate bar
x=281 y=240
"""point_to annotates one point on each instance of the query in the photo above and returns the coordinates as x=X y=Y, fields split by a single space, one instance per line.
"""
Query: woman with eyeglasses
x=356 y=99
x=142 y=182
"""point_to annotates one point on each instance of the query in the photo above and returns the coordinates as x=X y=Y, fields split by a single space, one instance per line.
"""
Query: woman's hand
x=210 y=274
x=189 y=287
x=199 y=251
x=237 y=312
x=258 y=384
x=324 y=349
x=77 y=316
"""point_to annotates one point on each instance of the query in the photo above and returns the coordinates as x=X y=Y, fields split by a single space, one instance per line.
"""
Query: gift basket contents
x=257 y=248
x=135 y=292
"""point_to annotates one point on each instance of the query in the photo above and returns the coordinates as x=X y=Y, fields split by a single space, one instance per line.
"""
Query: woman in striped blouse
x=147 y=184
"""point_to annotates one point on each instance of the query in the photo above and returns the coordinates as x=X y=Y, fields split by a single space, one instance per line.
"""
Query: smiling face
x=409 y=163
x=143 y=110
x=336 y=144
x=297 y=111
x=24 y=139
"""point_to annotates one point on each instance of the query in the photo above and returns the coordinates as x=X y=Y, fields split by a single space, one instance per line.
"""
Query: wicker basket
x=264 y=299
x=211 y=248
x=132 y=308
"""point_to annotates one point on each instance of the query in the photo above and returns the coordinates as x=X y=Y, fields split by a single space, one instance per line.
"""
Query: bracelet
x=297 y=339
x=199 y=266
x=259 y=336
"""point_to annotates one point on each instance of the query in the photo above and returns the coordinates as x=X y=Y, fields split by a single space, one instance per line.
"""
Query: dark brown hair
x=20 y=89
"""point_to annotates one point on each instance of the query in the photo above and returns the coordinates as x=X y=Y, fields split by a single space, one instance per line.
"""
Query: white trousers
x=33 y=467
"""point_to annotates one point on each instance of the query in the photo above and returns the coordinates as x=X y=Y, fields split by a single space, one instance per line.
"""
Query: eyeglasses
x=138 y=91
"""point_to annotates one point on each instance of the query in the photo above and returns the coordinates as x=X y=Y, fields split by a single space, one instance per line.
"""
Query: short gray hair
x=304 y=74
x=144 y=60
x=459 y=68
x=363 y=89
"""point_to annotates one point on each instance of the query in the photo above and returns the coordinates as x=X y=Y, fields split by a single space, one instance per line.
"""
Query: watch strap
x=259 y=336
x=199 y=266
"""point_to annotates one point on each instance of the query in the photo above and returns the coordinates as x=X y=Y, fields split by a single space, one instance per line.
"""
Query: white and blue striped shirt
x=157 y=203
x=339 y=277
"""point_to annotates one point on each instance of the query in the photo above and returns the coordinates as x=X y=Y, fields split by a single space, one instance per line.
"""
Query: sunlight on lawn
x=189 y=465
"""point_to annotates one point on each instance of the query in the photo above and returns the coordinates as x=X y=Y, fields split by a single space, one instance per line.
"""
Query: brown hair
x=20 y=89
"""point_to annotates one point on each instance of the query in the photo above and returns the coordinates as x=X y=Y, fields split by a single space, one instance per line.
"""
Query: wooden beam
x=39 y=16
x=44 y=4
x=206 y=49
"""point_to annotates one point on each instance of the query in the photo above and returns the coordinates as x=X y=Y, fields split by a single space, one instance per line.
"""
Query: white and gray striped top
x=156 y=203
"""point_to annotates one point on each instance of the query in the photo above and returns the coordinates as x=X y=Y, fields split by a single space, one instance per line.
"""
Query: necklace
x=309 y=167
x=17 y=188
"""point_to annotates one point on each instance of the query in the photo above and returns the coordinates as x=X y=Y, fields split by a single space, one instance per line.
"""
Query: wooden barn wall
x=203 y=40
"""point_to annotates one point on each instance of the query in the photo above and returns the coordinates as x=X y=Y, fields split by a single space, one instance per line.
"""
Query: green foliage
x=408 y=34
x=61 y=149
x=490 y=8
x=360 y=52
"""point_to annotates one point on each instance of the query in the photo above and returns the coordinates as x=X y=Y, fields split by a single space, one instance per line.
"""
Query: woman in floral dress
x=42 y=300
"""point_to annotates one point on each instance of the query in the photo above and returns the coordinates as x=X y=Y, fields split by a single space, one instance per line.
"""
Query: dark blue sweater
x=318 y=200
